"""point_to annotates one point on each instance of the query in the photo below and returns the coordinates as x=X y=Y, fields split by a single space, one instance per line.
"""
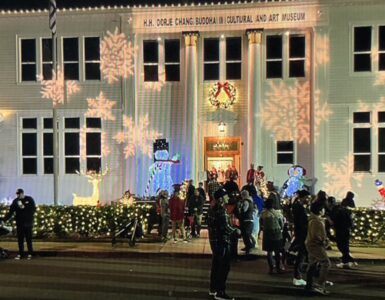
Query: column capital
x=191 y=37
x=254 y=35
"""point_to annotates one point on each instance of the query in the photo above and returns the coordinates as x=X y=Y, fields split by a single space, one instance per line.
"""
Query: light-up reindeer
x=94 y=178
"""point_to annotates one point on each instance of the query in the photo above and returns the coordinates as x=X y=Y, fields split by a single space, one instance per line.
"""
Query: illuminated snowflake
x=117 y=56
x=380 y=79
x=156 y=85
x=322 y=51
x=100 y=107
x=286 y=112
x=54 y=89
x=105 y=150
x=365 y=106
x=136 y=136
x=340 y=177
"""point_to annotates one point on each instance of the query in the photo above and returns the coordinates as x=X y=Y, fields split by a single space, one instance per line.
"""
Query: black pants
x=342 y=240
x=247 y=230
x=274 y=261
x=300 y=259
x=220 y=267
x=24 y=232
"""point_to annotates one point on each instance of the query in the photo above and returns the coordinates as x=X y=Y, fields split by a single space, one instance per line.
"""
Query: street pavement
x=151 y=245
x=173 y=278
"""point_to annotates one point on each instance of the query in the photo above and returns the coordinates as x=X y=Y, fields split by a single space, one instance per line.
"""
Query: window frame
x=293 y=59
x=22 y=156
x=370 y=52
x=277 y=153
x=21 y=63
x=176 y=63
x=359 y=125
x=267 y=60
x=42 y=61
x=151 y=64
x=226 y=62
x=84 y=147
x=212 y=62
x=43 y=155
x=85 y=61
x=78 y=62
x=65 y=155
x=379 y=125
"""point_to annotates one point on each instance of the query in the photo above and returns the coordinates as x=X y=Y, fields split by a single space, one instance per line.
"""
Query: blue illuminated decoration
x=295 y=182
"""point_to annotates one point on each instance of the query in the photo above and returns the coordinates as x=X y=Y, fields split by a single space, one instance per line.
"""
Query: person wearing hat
x=220 y=232
x=24 y=208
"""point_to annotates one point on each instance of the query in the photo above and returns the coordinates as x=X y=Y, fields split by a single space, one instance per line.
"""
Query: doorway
x=222 y=153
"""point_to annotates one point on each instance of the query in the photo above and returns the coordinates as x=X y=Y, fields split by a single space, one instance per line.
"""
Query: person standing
x=195 y=209
x=164 y=213
x=220 y=232
x=177 y=205
x=342 y=223
x=300 y=232
x=250 y=176
x=316 y=244
x=272 y=242
x=274 y=196
x=24 y=208
x=213 y=186
x=201 y=191
x=259 y=177
x=246 y=209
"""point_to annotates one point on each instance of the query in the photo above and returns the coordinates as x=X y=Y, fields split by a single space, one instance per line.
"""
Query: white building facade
x=290 y=82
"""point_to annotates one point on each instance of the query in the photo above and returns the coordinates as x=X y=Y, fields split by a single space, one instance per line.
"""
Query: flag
x=52 y=16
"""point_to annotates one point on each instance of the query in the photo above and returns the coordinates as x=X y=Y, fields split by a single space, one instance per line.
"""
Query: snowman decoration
x=295 y=182
x=380 y=188
x=160 y=170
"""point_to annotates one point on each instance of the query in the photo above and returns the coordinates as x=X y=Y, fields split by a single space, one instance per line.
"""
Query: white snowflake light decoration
x=100 y=107
x=117 y=56
x=340 y=177
x=322 y=51
x=286 y=112
x=380 y=79
x=137 y=136
x=54 y=89
x=156 y=85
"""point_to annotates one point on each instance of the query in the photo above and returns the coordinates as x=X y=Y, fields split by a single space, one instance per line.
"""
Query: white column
x=191 y=104
x=254 y=142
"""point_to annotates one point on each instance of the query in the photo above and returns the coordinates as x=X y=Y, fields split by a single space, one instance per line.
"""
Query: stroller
x=131 y=231
x=4 y=230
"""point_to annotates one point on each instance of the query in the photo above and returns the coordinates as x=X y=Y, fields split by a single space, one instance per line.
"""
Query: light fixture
x=221 y=127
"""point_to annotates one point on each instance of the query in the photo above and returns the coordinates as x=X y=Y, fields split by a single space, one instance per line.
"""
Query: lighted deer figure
x=95 y=179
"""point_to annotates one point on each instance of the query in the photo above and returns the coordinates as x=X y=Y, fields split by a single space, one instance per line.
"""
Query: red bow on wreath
x=225 y=87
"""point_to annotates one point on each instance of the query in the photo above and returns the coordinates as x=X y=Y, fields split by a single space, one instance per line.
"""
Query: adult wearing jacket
x=164 y=213
x=195 y=209
x=245 y=212
x=300 y=232
x=24 y=208
x=220 y=233
x=177 y=205
x=272 y=242
x=316 y=243
x=341 y=220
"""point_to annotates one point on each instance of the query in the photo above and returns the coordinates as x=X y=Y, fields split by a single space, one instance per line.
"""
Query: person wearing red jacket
x=177 y=207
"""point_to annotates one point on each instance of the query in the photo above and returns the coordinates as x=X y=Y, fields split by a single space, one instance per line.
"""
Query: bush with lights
x=83 y=221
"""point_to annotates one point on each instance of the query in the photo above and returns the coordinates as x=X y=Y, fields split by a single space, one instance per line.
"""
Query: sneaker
x=18 y=257
x=299 y=282
x=340 y=265
x=29 y=257
x=185 y=241
x=212 y=293
x=355 y=263
x=329 y=283
x=222 y=296
x=350 y=265
x=175 y=241
x=320 y=290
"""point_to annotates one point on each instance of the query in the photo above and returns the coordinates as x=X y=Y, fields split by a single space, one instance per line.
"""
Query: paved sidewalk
x=195 y=247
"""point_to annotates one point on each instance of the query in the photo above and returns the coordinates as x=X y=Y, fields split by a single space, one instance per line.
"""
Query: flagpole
x=55 y=121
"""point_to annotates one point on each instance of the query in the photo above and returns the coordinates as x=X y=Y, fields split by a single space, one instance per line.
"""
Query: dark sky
x=29 y=4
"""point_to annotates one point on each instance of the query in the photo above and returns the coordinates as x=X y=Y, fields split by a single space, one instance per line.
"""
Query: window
x=285 y=152
x=297 y=56
x=381 y=48
x=233 y=58
x=211 y=59
x=274 y=56
x=362 y=48
x=362 y=142
x=93 y=144
x=28 y=60
x=46 y=58
x=71 y=58
x=381 y=141
x=92 y=58
x=150 y=60
x=47 y=146
x=29 y=145
x=72 y=145
x=172 y=60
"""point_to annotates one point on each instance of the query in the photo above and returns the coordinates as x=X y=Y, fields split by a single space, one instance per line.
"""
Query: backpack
x=272 y=225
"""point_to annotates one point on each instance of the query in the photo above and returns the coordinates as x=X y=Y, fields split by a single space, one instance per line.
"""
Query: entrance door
x=222 y=154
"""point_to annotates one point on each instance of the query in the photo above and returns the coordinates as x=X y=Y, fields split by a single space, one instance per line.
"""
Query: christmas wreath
x=222 y=101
